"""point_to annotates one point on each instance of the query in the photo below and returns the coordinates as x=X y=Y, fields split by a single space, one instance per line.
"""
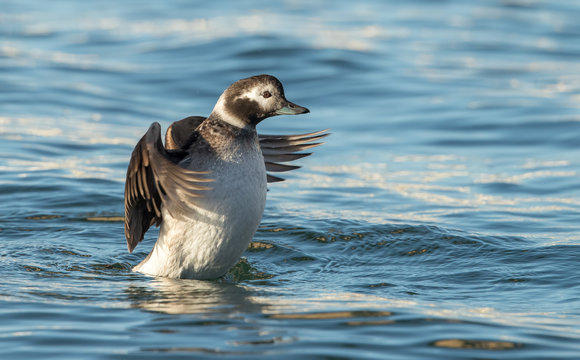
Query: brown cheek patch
x=246 y=109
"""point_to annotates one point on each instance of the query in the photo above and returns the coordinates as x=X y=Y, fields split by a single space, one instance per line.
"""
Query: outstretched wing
x=180 y=134
x=153 y=180
x=280 y=149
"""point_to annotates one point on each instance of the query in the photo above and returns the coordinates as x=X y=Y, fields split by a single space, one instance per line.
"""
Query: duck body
x=208 y=240
x=206 y=187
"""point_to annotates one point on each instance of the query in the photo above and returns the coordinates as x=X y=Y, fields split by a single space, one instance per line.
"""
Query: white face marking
x=255 y=93
x=220 y=109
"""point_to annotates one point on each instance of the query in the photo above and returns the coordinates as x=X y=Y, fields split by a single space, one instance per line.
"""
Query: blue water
x=441 y=220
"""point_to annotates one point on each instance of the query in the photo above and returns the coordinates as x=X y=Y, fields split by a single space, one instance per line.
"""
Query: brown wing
x=180 y=134
x=153 y=180
x=279 y=149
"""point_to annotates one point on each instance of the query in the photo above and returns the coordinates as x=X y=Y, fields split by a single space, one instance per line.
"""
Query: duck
x=206 y=187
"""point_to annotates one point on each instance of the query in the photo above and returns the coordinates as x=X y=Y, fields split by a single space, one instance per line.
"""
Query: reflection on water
x=191 y=297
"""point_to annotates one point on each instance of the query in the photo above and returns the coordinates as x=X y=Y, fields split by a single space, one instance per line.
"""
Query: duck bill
x=292 y=109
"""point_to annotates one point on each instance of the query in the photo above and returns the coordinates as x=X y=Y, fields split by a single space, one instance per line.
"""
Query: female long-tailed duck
x=206 y=186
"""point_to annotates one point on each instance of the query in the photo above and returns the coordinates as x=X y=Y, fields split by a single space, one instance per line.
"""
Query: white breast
x=207 y=242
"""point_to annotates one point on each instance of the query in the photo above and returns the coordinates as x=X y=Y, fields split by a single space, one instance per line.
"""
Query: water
x=440 y=220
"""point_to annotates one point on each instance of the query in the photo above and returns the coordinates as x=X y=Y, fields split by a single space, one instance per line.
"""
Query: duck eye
x=266 y=94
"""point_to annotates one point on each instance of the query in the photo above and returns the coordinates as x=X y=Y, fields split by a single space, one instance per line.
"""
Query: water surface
x=440 y=220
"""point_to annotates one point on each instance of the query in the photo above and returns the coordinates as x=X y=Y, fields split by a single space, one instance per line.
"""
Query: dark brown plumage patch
x=245 y=108
x=181 y=134
x=240 y=86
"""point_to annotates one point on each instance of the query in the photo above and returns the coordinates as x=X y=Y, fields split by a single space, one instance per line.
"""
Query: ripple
x=477 y=344
x=440 y=220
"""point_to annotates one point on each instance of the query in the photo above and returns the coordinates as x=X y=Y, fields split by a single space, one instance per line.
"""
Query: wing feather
x=274 y=167
x=278 y=149
x=155 y=179
x=272 y=178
